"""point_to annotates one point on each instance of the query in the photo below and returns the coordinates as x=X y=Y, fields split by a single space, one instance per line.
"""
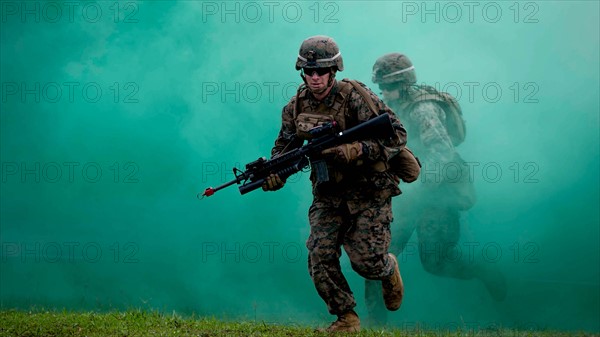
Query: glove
x=273 y=183
x=345 y=153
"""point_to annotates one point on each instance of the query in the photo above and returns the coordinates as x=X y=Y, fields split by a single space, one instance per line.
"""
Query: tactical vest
x=307 y=117
x=403 y=165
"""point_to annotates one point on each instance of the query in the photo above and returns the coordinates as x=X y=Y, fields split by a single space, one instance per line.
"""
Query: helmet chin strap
x=331 y=78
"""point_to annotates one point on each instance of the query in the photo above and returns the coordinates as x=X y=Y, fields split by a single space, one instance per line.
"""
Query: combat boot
x=393 y=288
x=377 y=313
x=346 y=322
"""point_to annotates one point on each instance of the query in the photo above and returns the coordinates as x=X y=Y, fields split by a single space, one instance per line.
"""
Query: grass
x=143 y=323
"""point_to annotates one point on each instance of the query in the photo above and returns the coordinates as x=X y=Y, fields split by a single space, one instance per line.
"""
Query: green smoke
x=115 y=115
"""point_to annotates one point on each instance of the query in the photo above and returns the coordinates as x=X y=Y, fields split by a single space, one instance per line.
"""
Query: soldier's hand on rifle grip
x=273 y=183
x=345 y=153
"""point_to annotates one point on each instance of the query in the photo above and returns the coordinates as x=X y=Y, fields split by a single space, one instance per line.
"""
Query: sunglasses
x=319 y=71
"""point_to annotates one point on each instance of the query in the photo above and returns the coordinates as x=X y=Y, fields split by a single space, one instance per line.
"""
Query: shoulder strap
x=344 y=90
x=300 y=93
x=426 y=93
x=365 y=95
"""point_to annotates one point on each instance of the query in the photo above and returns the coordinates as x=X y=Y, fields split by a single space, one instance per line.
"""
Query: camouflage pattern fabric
x=362 y=227
x=444 y=176
x=433 y=206
x=357 y=180
x=429 y=138
x=319 y=52
x=431 y=209
x=392 y=68
x=354 y=209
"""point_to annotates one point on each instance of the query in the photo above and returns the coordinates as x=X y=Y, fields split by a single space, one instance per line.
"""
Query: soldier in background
x=432 y=205
x=352 y=197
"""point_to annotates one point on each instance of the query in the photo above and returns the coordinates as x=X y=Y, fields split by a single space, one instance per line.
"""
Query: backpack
x=455 y=124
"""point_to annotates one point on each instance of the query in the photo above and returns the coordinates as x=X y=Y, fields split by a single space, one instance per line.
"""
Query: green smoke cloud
x=114 y=115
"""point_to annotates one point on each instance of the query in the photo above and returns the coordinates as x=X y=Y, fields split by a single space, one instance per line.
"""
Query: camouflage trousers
x=438 y=231
x=362 y=227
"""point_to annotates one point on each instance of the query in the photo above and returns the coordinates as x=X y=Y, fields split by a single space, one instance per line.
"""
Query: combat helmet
x=392 y=68
x=319 y=51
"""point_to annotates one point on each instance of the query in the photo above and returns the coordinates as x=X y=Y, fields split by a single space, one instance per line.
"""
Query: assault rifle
x=289 y=163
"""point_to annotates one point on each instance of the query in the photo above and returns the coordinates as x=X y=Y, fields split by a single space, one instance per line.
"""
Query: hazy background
x=115 y=114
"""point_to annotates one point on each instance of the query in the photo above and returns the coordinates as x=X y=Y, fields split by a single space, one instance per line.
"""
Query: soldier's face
x=390 y=91
x=390 y=94
x=317 y=79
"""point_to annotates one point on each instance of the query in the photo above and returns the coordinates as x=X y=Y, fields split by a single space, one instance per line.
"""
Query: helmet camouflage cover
x=394 y=67
x=319 y=52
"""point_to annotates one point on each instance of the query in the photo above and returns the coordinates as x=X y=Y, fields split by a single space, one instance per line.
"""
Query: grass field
x=142 y=323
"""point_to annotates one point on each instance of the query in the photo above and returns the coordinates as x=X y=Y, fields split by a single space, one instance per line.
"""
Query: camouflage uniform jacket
x=444 y=174
x=430 y=140
x=358 y=180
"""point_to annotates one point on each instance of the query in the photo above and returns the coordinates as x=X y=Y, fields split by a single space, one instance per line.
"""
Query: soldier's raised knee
x=370 y=268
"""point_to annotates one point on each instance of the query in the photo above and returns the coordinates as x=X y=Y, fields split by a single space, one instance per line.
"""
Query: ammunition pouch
x=307 y=121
